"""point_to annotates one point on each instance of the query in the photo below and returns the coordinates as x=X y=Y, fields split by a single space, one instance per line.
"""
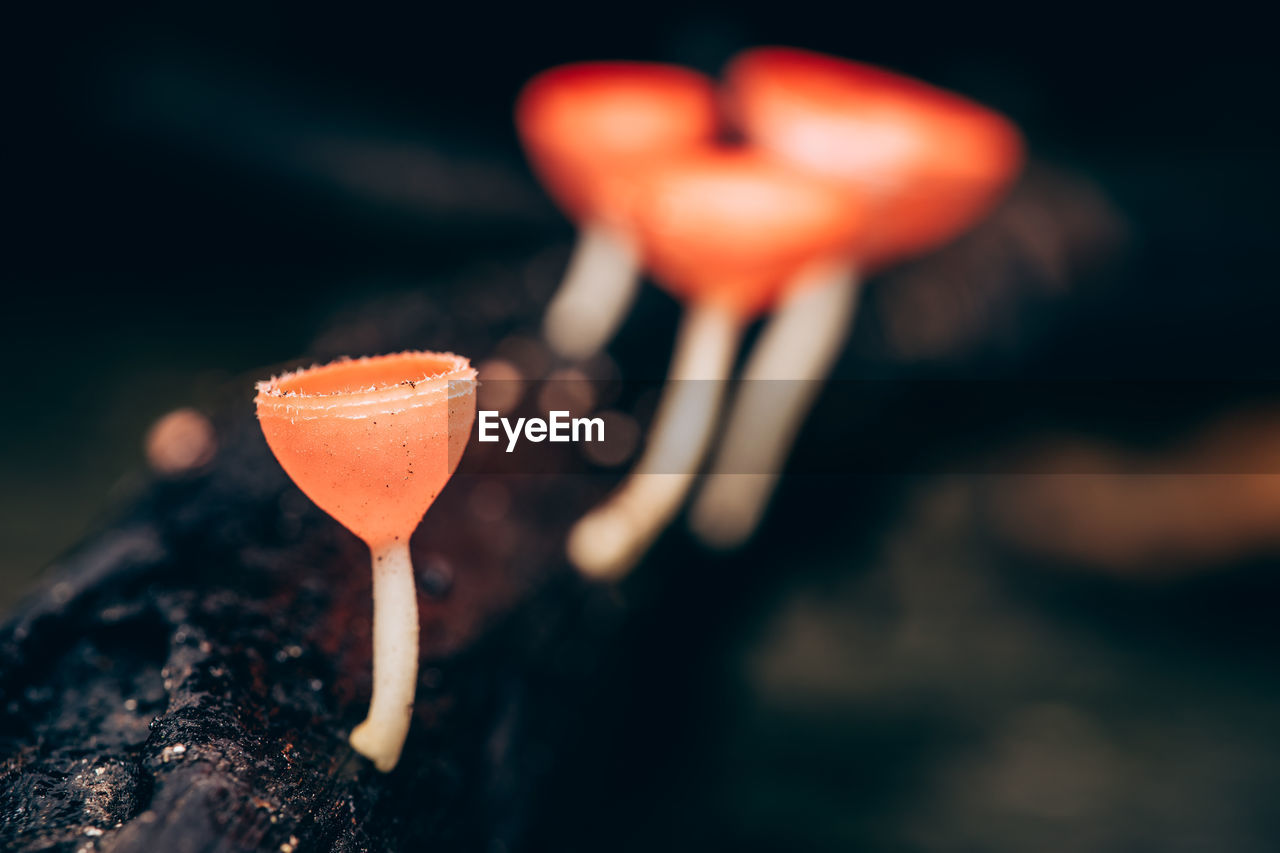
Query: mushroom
x=373 y=441
x=585 y=127
x=726 y=231
x=928 y=162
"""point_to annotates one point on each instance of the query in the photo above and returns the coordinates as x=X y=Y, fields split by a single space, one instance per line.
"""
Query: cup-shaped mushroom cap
x=584 y=123
x=734 y=227
x=934 y=160
x=373 y=440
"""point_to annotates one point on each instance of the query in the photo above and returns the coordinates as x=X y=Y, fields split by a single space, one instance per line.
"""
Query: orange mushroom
x=373 y=441
x=933 y=161
x=928 y=163
x=727 y=231
x=585 y=127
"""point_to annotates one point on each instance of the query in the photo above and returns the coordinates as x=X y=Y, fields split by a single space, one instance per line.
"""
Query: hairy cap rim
x=353 y=386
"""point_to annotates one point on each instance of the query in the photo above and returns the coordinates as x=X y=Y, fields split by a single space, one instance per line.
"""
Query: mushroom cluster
x=844 y=169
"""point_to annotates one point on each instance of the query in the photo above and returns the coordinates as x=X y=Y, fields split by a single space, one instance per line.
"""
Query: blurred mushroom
x=584 y=127
x=181 y=441
x=726 y=231
x=928 y=163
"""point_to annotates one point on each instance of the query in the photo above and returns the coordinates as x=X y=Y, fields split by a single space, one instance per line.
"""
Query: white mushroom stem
x=784 y=374
x=612 y=538
x=395 y=657
x=596 y=293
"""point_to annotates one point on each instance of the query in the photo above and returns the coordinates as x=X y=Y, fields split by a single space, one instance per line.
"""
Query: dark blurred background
x=197 y=191
x=194 y=190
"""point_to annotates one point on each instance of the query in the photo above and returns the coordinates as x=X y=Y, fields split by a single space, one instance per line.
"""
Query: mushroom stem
x=612 y=538
x=784 y=375
x=596 y=293
x=395 y=657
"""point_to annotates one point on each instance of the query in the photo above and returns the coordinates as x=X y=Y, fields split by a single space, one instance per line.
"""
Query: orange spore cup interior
x=733 y=226
x=932 y=160
x=581 y=124
x=373 y=440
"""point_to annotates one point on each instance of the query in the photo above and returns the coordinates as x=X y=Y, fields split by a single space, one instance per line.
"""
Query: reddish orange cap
x=373 y=440
x=933 y=160
x=734 y=226
x=582 y=124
